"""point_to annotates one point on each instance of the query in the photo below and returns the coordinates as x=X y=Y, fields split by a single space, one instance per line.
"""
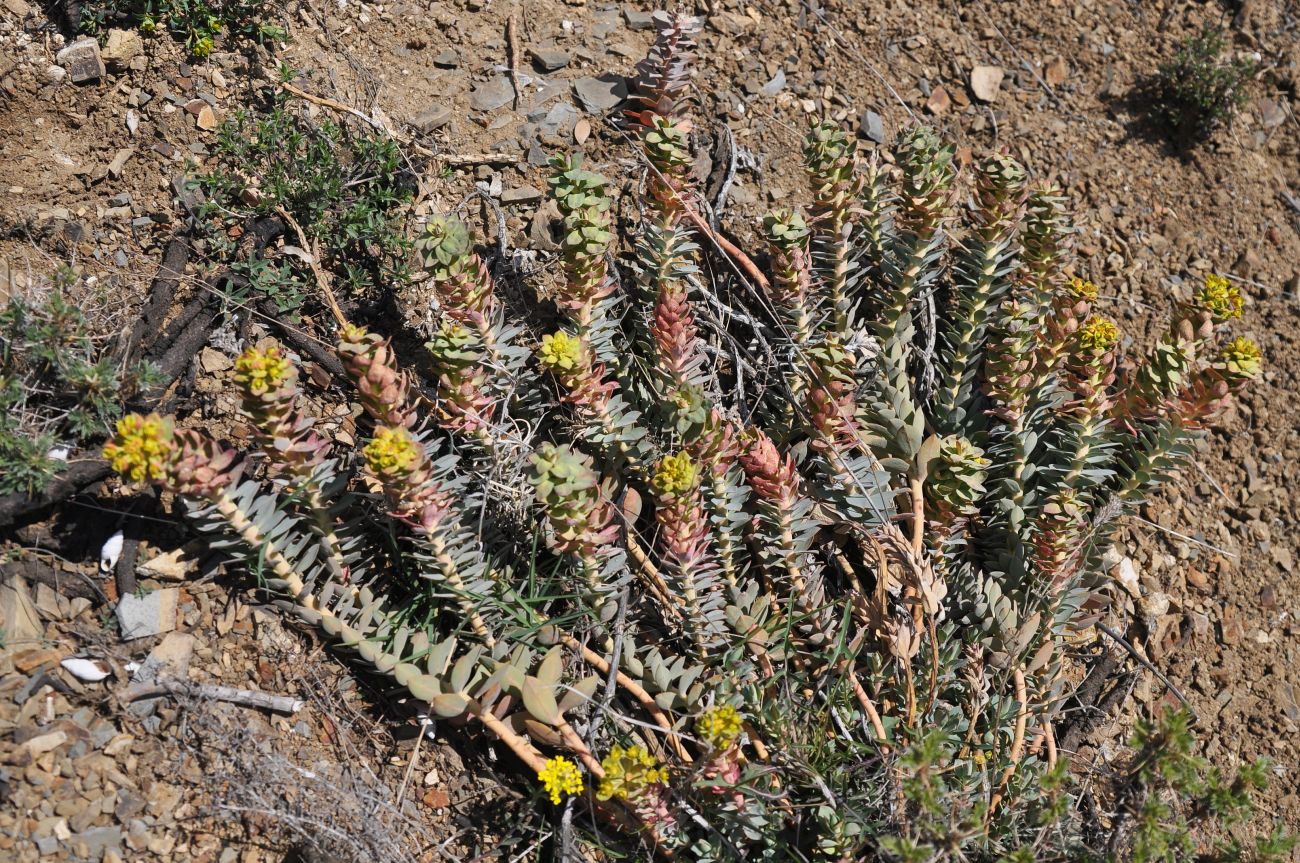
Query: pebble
x=939 y=102
x=872 y=126
x=120 y=48
x=448 y=59
x=1056 y=72
x=986 y=82
x=558 y=123
x=56 y=74
x=492 y=94
x=521 y=195
x=602 y=93
x=775 y=85
x=434 y=118
x=638 y=20
x=82 y=61
x=116 y=166
x=550 y=59
x=151 y=614
x=1271 y=114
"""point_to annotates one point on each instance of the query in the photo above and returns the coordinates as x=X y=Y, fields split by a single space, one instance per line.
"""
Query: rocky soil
x=93 y=153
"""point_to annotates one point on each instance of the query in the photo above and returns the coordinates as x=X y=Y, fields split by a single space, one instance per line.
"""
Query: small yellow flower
x=676 y=474
x=143 y=449
x=259 y=372
x=1220 y=298
x=628 y=773
x=1241 y=358
x=393 y=451
x=203 y=47
x=560 y=778
x=720 y=727
x=1083 y=289
x=1098 y=335
x=561 y=351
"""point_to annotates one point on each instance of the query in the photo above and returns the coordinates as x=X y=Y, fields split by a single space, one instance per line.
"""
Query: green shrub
x=1198 y=90
x=346 y=187
x=58 y=382
x=198 y=22
x=779 y=566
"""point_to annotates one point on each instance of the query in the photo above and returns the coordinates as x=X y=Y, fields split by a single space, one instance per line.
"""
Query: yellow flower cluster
x=1098 y=335
x=561 y=351
x=560 y=778
x=393 y=451
x=259 y=372
x=1242 y=358
x=143 y=449
x=720 y=726
x=1220 y=298
x=676 y=474
x=1083 y=289
x=628 y=773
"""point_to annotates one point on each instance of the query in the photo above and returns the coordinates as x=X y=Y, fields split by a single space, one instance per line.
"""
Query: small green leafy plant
x=1199 y=90
x=1171 y=790
x=347 y=188
x=58 y=383
x=198 y=22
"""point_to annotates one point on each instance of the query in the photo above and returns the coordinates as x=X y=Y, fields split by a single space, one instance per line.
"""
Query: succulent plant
x=848 y=568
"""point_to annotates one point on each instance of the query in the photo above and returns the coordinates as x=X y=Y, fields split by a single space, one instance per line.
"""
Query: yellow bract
x=259 y=372
x=628 y=773
x=720 y=727
x=1098 y=335
x=143 y=449
x=675 y=474
x=392 y=451
x=1220 y=298
x=1083 y=289
x=561 y=351
x=1242 y=358
x=560 y=778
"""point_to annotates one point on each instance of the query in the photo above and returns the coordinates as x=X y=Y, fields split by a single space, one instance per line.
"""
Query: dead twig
x=213 y=692
x=512 y=41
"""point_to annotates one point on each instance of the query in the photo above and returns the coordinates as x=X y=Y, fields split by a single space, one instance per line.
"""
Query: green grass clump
x=347 y=188
x=58 y=382
x=1199 y=90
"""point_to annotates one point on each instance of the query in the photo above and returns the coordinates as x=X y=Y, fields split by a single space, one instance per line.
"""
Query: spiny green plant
x=198 y=22
x=1198 y=90
x=345 y=187
x=59 y=383
x=806 y=600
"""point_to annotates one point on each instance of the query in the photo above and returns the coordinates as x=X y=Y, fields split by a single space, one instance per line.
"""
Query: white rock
x=986 y=82
x=85 y=669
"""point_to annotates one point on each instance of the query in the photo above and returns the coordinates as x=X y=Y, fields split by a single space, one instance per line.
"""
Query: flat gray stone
x=776 y=85
x=448 y=59
x=558 y=123
x=82 y=61
x=492 y=94
x=151 y=614
x=638 y=20
x=434 y=118
x=601 y=93
x=521 y=195
x=872 y=127
x=550 y=59
x=98 y=839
